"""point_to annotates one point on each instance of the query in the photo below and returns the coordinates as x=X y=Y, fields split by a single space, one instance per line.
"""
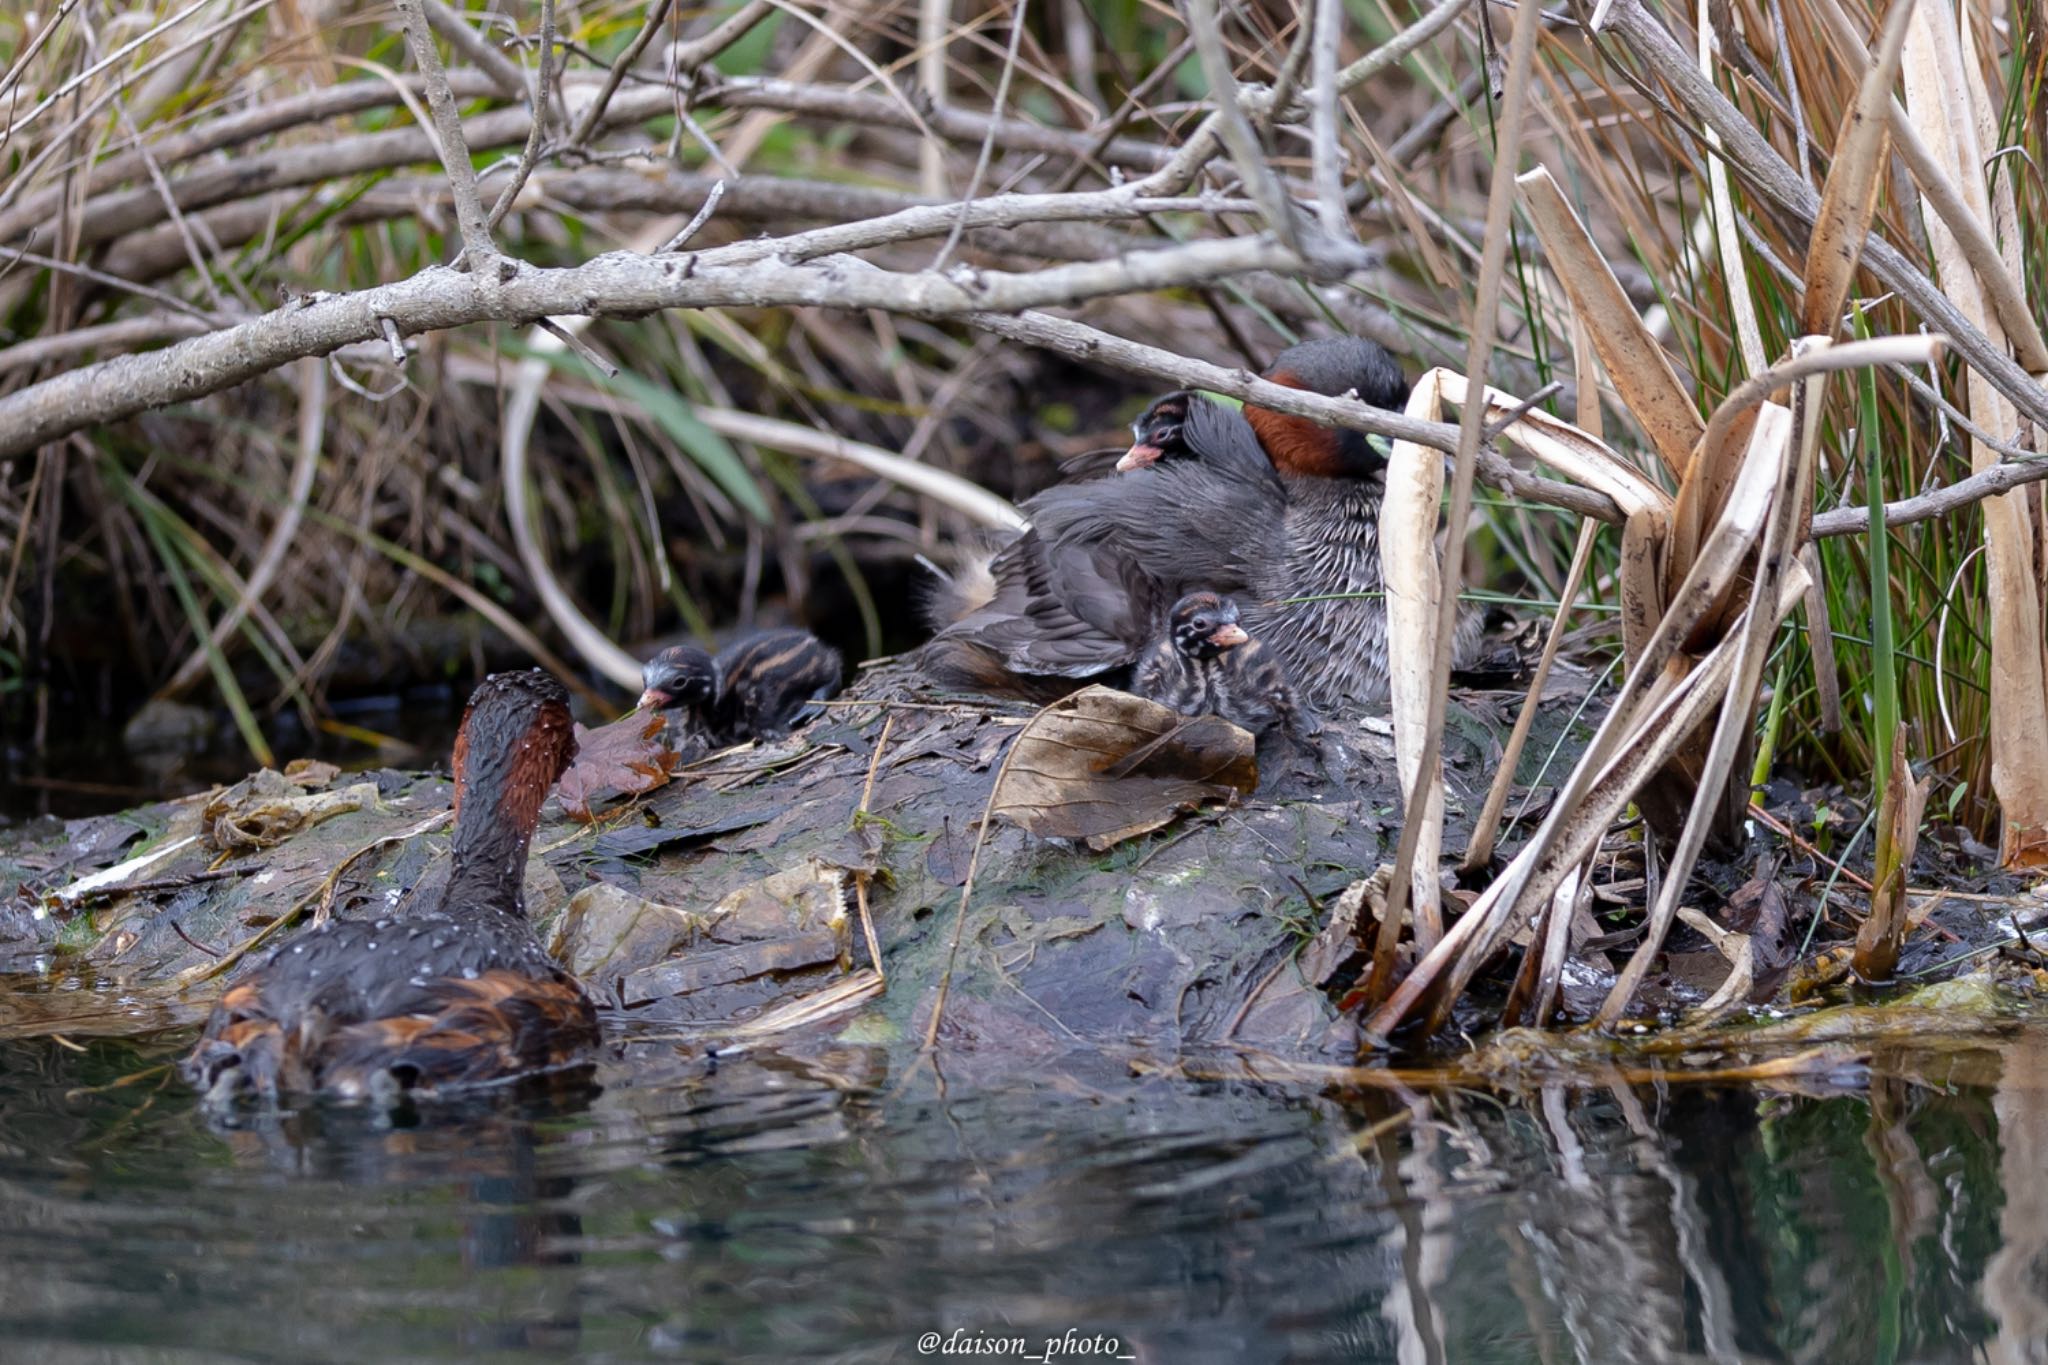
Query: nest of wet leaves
x=1139 y=883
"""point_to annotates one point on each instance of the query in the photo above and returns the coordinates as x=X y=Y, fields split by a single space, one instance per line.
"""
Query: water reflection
x=814 y=1205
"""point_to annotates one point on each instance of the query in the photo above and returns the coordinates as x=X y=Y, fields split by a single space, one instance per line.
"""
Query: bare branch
x=1327 y=150
x=536 y=133
x=988 y=144
x=477 y=249
x=618 y=283
x=594 y=113
x=1398 y=47
x=1988 y=483
x=124 y=335
x=230 y=130
x=1235 y=130
x=503 y=71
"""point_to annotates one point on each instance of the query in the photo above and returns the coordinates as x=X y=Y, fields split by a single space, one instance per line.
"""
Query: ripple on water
x=810 y=1203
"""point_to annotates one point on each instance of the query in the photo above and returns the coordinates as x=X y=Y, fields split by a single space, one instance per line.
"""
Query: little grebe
x=1207 y=665
x=755 y=689
x=458 y=993
x=1087 y=588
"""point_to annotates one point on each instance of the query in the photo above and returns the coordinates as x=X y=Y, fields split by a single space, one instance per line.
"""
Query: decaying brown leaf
x=621 y=759
x=1104 y=766
x=639 y=951
x=310 y=773
x=264 y=810
x=1340 y=945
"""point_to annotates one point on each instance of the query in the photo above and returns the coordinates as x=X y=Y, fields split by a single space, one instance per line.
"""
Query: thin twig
x=502 y=70
x=536 y=135
x=697 y=220
x=1786 y=832
x=581 y=347
x=179 y=930
x=1205 y=26
x=592 y=116
x=477 y=249
x=988 y=144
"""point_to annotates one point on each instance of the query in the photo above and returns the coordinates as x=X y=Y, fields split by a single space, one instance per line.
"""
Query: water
x=813 y=1206
x=86 y=767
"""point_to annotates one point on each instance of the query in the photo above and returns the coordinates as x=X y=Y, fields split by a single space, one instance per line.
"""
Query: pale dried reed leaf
x=1557 y=443
x=1780 y=463
x=1486 y=829
x=1727 y=236
x=1938 y=100
x=1999 y=274
x=1637 y=365
x=1645 y=728
x=1729 y=429
x=1705 y=486
x=1509 y=904
x=1642 y=585
x=1849 y=196
x=1740 y=953
x=1649 y=723
x=1413 y=581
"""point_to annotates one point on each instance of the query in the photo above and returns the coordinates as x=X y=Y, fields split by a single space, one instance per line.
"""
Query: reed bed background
x=336 y=523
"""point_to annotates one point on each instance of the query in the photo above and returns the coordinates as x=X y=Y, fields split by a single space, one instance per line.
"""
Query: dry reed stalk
x=1422 y=826
x=1940 y=102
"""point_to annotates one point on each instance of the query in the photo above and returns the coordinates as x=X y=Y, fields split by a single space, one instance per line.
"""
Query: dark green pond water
x=816 y=1207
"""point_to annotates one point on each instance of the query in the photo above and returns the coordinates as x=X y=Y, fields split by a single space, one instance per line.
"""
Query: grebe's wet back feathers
x=456 y=993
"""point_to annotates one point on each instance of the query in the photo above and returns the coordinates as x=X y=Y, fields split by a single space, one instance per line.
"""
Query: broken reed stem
x=860 y=877
x=1472 y=420
x=1486 y=830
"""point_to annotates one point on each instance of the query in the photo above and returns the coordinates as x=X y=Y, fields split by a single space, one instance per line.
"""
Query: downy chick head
x=1159 y=433
x=680 y=676
x=1204 y=624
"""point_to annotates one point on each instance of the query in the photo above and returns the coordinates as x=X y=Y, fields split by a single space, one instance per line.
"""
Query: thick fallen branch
x=616 y=284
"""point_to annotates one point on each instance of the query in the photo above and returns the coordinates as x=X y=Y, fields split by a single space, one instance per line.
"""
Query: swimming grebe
x=453 y=994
